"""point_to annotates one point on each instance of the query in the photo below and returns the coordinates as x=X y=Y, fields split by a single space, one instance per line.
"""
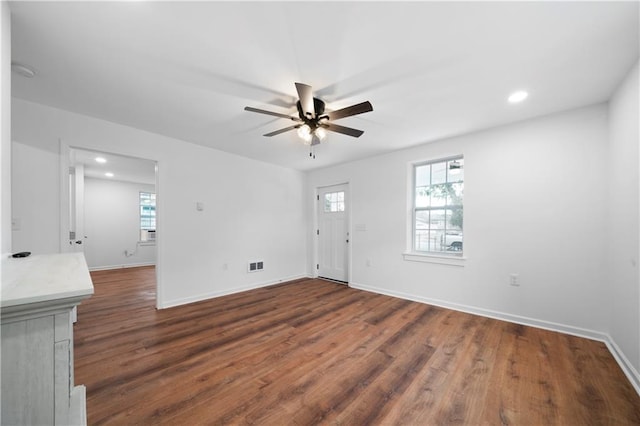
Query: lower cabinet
x=37 y=372
x=39 y=297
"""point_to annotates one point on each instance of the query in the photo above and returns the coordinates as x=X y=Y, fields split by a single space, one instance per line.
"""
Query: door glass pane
x=334 y=202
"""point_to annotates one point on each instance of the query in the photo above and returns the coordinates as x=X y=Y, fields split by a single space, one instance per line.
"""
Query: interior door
x=333 y=233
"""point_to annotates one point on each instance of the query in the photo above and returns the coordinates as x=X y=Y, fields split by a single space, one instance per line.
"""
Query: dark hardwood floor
x=315 y=352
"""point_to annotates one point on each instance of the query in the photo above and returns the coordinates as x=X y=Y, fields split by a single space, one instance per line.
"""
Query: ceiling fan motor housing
x=318 y=105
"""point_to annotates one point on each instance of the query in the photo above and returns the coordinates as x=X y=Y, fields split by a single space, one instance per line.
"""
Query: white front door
x=333 y=233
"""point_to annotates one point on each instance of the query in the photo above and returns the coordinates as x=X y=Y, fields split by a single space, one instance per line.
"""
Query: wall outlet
x=514 y=280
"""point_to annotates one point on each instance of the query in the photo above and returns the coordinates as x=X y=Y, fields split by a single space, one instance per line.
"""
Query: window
x=334 y=202
x=147 y=216
x=437 y=206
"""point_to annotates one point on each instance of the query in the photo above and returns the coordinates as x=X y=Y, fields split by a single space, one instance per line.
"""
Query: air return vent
x=255 y=266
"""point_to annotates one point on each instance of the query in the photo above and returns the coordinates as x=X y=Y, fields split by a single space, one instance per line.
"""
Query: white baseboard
x=618 y=355
x=128 y=265
x=206 y=296
x=628 y=369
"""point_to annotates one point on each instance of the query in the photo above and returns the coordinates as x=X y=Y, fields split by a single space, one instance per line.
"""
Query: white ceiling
x=431 y=69
x=123 y=168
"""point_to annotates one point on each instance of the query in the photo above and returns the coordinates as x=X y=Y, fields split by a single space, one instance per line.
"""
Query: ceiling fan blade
x=286 y=129
x=275 y=114
x=306 y=99
x=344 y=130
x=351 y=110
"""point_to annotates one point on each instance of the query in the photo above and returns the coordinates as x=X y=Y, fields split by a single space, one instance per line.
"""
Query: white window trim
x=411 y=255
x=440 y=259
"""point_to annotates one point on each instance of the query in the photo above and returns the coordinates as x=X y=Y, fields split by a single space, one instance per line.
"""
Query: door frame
x=64 y=150
x=316 y=226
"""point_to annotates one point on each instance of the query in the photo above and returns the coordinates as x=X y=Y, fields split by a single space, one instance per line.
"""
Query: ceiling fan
x=312 y=119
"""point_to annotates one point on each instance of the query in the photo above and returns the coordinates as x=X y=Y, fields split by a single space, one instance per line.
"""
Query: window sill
x=451 y=260
x=146 y=243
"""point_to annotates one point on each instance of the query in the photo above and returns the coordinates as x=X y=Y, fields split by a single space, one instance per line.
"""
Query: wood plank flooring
x=314 y=352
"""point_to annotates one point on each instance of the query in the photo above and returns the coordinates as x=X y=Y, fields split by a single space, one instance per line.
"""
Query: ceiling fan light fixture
x=312 y=123
x=321 y=133
x=304 y=132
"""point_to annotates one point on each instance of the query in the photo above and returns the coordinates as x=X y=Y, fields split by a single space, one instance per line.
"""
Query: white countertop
x=41 y=278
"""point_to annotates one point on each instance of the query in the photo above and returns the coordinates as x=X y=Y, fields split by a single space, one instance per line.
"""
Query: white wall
x=534 y=205
x=622 y=281
x=112 y=224
x=5 y=127
x=251 y=209
x=35 y=199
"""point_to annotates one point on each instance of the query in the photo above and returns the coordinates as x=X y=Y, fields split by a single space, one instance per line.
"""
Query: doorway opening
x=111 y=209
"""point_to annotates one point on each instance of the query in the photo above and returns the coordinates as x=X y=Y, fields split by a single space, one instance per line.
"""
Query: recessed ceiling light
x=101 y=160
x=518 y=96
x=108 y=174
x=22 y=70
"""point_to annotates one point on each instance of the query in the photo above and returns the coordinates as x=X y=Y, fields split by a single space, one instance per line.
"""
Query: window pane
x=423 y=175
x=439 y=195
x=422 y=196
x=453 y=236
x=455 y=194
x=438 y=225
x=454 y=220
x=421 y=240
x=147 y=213
x=438 y=204
x=446 y=235
x=456 y=170
x=438 y=173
